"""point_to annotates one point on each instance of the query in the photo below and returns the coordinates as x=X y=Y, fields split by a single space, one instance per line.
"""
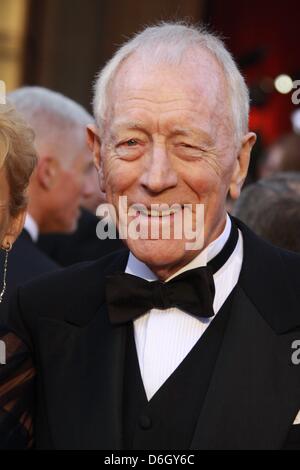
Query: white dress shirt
x=164 y=337
x=32 y=227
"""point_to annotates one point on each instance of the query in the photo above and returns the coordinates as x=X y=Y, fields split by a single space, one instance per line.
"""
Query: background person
x=271 y=208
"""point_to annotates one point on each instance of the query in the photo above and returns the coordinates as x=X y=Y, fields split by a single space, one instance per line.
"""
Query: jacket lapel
x=253 y=396
x=254 y=392
x=83 y=377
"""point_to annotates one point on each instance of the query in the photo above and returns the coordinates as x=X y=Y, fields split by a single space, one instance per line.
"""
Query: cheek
x=119 y=176
x=202 y=180
x=70 y=193
x=76 y=181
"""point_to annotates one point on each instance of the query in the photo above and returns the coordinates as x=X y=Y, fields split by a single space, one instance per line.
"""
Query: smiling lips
x=140 y=209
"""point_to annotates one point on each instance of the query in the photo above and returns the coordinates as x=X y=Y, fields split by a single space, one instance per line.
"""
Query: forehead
x=195 y=84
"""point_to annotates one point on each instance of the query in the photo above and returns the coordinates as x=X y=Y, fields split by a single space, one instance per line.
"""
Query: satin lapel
x=83 y=366
x=254 y=392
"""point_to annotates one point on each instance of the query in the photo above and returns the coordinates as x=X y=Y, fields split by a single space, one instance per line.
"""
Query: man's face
x=93 y=195
x=168 y=138
x=68 y=189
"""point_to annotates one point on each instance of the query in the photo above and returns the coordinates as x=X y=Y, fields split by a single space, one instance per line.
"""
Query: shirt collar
x=32 y=227
x=140 y=269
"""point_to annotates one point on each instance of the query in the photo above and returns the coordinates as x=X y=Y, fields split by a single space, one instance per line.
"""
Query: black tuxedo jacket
x=61 y=324
x=82 y=245
x=25 y=262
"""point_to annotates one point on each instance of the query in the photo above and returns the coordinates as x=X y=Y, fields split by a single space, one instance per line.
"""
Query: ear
x=46 y=172
x=94 y=144
x=15 y=227
x=241 y=165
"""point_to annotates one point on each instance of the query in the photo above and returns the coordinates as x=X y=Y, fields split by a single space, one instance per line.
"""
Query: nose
x=159 y=174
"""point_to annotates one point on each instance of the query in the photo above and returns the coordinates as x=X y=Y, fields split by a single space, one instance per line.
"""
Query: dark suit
x=82 y=245
x=25 y=262
x=253 y=392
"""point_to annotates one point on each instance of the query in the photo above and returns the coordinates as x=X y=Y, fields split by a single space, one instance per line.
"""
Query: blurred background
x=62 y=44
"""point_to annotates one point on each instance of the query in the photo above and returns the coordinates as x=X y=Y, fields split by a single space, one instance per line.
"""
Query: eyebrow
x=186 y=132
x=129 y=125
x=126 y=125
x=176 y=130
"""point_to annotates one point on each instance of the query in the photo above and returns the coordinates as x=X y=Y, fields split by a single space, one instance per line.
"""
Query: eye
x=130 y=148
x=188 y=150
x=131 y=142
x=125 y=144
x=186 y=145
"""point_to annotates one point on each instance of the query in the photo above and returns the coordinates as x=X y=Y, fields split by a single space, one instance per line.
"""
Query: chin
x=69 y=228
x=159 y=253
x=73 y=228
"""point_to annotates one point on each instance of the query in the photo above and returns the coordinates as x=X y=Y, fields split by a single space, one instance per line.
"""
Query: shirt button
x=145 y=422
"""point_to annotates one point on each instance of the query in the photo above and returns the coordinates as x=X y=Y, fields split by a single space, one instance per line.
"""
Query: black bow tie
x=129 y=297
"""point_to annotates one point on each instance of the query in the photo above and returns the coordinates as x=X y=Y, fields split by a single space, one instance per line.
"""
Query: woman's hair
x=17 y=155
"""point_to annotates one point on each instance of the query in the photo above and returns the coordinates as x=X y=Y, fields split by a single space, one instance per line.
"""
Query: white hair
x=168 y=42
x=59 y=123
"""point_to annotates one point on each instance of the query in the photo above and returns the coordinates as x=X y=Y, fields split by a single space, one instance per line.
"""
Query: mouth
x=157 y=212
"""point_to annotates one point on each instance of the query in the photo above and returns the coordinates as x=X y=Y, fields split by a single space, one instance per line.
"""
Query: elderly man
x=170 y=344
x=59 y=182
x=63 y=182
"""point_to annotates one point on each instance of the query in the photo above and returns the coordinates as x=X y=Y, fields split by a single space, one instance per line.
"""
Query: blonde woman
x=17 y=161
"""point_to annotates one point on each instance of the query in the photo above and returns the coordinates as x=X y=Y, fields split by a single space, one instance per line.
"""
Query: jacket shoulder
x=291 y=262
x=270 y=278
x=80 y=286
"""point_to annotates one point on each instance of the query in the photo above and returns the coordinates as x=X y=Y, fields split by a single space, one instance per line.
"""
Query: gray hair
x=168 y=42
x=56 y=120
x=271 y=207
